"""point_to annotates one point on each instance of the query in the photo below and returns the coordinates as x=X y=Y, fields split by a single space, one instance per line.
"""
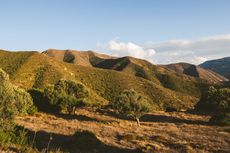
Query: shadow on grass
x=170 y=119
x=75 y=117
x=82 y=118
x=112 y=113
x=155 y=118
x=80 y=142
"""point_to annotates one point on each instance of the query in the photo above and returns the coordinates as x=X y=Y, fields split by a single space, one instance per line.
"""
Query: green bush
x=39 y=100
x=221 y=119
x=13 y=101
x=66 y=95
x=84 y=139
x=132 y=104
x=215 y=100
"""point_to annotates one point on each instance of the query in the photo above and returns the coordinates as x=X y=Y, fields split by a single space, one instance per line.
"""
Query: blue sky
x=93 y=24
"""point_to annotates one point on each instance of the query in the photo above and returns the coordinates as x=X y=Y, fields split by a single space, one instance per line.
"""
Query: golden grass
x=38 y=70
x=160 y=131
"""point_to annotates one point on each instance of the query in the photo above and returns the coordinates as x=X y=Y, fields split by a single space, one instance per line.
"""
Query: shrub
x=39 y=100
x=131 y=104
x=216 y=100
x=83 y=140
x=13 y=101
x=221 y=119
x=66 y=95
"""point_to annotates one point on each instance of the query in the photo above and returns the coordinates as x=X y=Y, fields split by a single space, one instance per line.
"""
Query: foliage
x=13 y=101
x=221 y=119
x=130 y=103
x=182 y=84
x=85 y=139
x=104 y=85
x=39 y=100
x=17 y=59
x=217 y=100
x=66 y=95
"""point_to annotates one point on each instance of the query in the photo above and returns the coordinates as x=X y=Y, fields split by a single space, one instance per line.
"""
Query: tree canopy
x=66 y=95
x=131 y=103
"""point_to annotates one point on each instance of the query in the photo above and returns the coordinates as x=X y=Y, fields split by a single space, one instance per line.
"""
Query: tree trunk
x=138 y=121
x=69 y=110
x=74 y=110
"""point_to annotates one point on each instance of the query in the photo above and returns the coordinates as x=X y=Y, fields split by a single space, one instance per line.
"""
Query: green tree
x=66 y=95
x=13 y=101
x=216 y=100
x=131 y=104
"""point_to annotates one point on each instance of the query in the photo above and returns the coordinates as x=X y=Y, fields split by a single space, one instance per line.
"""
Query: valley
x=169 y=102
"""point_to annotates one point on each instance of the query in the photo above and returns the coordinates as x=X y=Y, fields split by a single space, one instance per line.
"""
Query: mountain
x=163 y=88
x=84 y=58
x=196 y=71
x=133 y=66
x=221 y=66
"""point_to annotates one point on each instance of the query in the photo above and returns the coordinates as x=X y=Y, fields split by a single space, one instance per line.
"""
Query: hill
x=36 y=70
x=83 y=58
x=136 y=67
x=221 y=66
x=196 y=71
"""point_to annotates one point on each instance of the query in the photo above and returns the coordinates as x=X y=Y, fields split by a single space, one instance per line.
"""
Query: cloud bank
x=173 y=51
x=130 y=49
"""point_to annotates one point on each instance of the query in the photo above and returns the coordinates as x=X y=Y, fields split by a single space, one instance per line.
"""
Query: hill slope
x=221 y=66
x=196 y=71
x=38 y=70
x=84 y=58
x=136 y=67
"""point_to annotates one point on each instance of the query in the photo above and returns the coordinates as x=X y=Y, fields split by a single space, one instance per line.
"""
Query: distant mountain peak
x=221 y=66
x=196 y=71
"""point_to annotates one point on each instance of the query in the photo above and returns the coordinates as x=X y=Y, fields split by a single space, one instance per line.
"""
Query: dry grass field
x=159 y=132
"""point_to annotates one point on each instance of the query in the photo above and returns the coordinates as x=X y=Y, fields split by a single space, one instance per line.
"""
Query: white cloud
x=189 y=51
x=130 y=49
x=172 y=51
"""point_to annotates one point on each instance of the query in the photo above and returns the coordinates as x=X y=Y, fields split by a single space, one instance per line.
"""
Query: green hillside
x=157 y=74
x=36 y=70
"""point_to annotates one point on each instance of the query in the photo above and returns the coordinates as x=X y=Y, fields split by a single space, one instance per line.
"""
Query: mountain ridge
x=37 y=70
x=196 y=71
x=221 y=66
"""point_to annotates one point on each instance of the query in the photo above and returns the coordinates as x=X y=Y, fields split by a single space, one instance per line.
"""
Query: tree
x=13 y=101
x=132 y=104
x=66 y=95
x=216 y=100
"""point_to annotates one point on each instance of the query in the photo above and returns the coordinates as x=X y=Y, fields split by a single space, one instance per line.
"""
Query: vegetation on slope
x=66 y=95
x=40 y=70
x=137 y=67
x=12 y=61
x=131 y=104
x=196 y=71
x=216 y=100
x=13 y=101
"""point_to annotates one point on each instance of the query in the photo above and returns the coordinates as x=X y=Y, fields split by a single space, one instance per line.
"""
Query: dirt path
x=160 y=131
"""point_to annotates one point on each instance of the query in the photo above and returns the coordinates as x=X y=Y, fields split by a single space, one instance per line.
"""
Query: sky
x=161 y=31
